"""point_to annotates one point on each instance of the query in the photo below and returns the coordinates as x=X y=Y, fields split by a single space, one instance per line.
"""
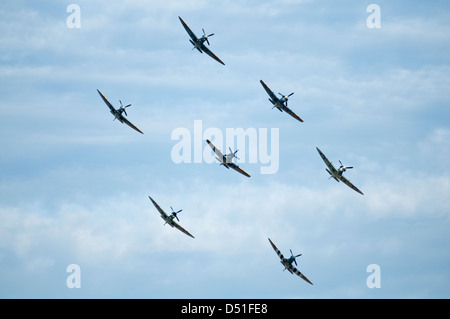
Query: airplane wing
x=325 y=159
x=347 y=182
x=298 y=273
x=215 y=149
x=268 y=90
x=289 y=111
x=276 y=250
x=188 y=30
x=238 y=169
x=205 y=49
x=163 y=214
x=182 y=229
x=168 y=220
x=113 y=110
x=123 y=119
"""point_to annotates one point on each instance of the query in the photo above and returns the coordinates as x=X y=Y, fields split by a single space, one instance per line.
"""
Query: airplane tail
x=331 y=175
x=193 y=43
x=274 y=105
x=221 y=163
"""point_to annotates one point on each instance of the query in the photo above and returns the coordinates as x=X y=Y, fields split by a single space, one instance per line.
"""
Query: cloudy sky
x=74 y=184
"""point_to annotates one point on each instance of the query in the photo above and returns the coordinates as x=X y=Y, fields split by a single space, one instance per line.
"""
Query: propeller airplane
x=227 y=160
x=169 y=219
x=199 y=43
x=337 y=173
x=287 y=262
x=280 y=103
x=118 y=113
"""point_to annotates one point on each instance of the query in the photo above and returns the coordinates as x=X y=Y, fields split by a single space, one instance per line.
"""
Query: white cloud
x=410 y=197
x=435 y=149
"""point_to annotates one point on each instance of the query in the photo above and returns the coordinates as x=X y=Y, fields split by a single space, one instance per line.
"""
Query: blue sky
x=74 y=185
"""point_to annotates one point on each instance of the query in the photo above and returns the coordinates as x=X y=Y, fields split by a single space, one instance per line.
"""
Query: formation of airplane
x=280 y=103
x=287 y=263
x=199 y=43
x=337 y=173
x=227 y=160
x=118 y=113
x=170 y=219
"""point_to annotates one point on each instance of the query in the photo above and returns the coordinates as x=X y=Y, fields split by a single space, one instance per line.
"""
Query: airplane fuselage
x=338 y=173
x=336 y=176
x=279 y=104
x=198 y=44
x=287 y=263
x=224 y=161
x=169 y=220
x=117 y=114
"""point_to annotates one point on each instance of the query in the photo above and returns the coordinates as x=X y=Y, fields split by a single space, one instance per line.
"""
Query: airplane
x=199 y=43
x=287 y=263
x=118 y=113
x=169 y=219
x=226 y=160
x=337 y=173
x=280 y=103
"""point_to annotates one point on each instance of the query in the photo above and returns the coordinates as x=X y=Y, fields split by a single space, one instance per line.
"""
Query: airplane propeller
x=285 y=97
x=295 y=257
x=206 y=36
x=344 y=168
x=175 y=213
x=124 y=107
x=233 y=154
